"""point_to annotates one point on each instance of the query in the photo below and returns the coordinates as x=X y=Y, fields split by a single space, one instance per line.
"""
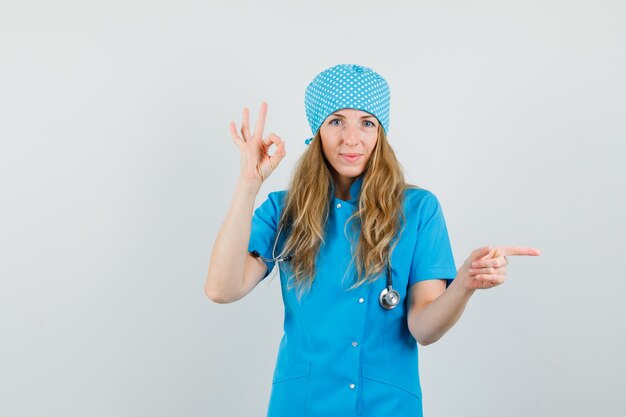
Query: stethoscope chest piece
x=389 y=299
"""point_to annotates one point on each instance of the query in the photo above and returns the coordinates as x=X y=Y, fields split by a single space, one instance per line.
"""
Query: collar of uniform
x=355 y=190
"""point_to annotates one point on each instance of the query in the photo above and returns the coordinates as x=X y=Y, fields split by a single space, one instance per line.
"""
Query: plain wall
x=117 y=168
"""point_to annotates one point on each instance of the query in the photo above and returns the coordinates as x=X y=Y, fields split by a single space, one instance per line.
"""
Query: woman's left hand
x=486 y=267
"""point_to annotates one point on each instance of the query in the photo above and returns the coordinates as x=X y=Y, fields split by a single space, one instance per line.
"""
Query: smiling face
x=348 y=139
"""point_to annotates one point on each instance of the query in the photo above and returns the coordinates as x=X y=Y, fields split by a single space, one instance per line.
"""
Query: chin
x=351 y=172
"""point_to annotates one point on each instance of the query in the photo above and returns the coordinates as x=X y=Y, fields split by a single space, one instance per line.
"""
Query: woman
x=365 y=260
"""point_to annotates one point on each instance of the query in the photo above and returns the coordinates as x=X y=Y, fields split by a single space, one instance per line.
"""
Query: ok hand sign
x=256 y=163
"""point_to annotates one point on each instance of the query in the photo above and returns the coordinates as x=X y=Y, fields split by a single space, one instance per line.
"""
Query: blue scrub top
x=342 y=354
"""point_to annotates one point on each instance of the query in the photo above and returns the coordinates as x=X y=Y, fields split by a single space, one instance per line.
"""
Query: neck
x=342 y=187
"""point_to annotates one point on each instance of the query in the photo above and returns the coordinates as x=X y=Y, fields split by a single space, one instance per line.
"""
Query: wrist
x=249 y=183
x=459 y=285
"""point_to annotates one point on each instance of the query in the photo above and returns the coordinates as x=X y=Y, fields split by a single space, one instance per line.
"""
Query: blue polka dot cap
x=346 y=86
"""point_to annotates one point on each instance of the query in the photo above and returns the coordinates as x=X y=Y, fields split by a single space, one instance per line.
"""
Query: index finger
x=518 y=250
x=260 y=123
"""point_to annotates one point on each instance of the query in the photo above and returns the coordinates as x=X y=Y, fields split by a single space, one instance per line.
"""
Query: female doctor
x=365 y=261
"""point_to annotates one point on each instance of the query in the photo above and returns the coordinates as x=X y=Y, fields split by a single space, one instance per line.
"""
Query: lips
x=351 y=157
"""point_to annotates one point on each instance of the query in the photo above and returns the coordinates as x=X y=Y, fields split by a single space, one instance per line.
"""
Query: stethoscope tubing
x=388 y=298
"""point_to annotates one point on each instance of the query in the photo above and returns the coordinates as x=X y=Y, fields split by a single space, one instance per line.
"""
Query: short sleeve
x=432 y=255
x=263 y=229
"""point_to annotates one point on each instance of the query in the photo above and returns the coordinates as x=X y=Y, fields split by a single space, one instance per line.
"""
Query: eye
x=332 y=122
x=371 y=124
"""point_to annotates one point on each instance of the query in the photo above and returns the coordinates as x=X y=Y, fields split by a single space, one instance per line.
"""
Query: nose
x=351 y=134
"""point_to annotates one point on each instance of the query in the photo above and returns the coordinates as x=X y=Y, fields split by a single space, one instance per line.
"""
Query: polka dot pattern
x=346 y=86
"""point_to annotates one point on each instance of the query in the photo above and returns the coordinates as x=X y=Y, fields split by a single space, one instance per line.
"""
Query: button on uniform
x=352 y=386
x=338 y=205
x=361 y=300
x=355 y=344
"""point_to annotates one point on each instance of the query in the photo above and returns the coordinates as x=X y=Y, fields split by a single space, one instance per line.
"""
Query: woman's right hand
x=256 y=163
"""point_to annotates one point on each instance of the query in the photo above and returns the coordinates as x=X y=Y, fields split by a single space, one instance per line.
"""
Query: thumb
x=481 y=252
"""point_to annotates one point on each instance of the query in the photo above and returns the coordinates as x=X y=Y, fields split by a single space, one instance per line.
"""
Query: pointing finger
x=497 y=256
x=518 y=250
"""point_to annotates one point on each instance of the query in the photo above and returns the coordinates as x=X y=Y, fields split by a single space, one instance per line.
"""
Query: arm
x=233 y=272
x=433 y=309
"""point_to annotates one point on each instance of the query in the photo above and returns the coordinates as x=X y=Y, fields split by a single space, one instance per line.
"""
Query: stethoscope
x=388 y=298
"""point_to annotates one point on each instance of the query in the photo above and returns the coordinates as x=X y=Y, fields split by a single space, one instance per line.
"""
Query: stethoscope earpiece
x=274 y=258
x=256 y=254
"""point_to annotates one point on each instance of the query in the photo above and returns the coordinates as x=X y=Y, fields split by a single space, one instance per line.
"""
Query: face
x=348 y=140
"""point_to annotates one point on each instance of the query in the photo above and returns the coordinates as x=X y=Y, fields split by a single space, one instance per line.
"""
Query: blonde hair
x=379 y=215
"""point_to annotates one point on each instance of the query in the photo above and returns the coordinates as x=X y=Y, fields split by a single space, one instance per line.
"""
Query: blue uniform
x=342 y=354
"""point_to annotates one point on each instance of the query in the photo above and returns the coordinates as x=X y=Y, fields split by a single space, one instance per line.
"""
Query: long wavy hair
x=379 y=217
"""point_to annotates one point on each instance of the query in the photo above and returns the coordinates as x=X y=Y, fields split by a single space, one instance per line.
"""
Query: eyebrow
x=362 y=117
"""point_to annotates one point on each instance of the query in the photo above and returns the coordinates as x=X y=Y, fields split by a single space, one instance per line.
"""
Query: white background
x=117 y=168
